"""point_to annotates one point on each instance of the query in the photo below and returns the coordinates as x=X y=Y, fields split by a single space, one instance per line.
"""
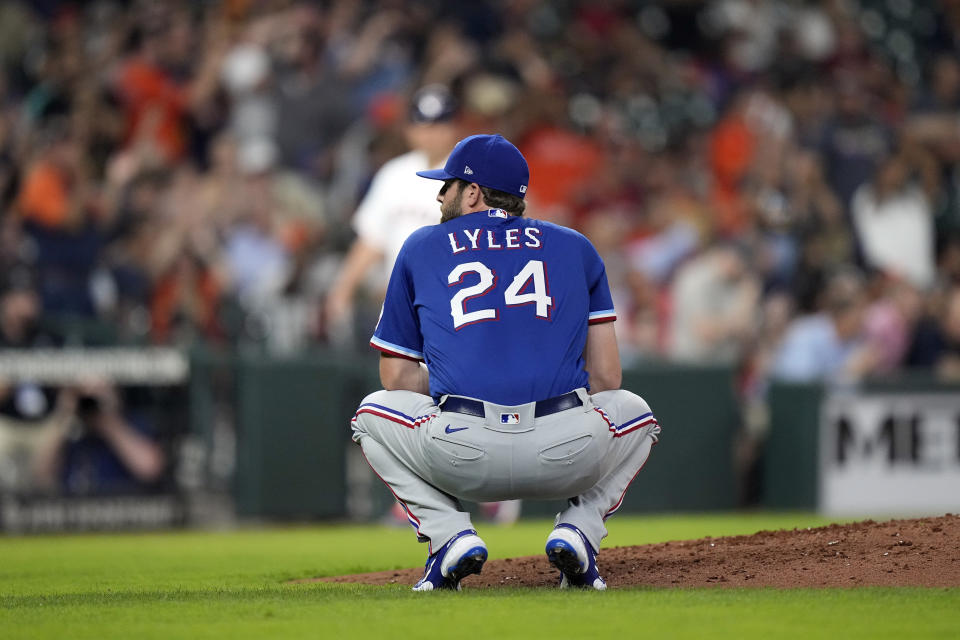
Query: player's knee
x=368 y=406
x=393 y=406
x=636 y=402
x=626 y=402
x=627 y=408
x=376 y=398
x=640 y=408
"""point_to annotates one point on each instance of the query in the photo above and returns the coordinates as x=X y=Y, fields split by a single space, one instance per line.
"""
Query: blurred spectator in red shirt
x=154 y=104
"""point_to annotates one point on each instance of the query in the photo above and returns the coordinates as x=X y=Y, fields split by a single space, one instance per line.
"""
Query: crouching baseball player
x=501 y=374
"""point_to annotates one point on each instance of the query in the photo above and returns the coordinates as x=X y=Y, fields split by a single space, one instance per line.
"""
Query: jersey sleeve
x=601 y=302
x=398 y=330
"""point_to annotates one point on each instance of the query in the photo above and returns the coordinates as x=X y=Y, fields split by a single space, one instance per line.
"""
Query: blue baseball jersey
x=497 y=306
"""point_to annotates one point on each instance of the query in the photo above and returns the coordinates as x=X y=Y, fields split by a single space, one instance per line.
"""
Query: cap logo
x=523 y=188
x=431 y=106
x=467 y=171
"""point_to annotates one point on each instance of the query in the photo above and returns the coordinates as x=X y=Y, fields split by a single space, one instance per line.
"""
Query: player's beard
x=453 y=209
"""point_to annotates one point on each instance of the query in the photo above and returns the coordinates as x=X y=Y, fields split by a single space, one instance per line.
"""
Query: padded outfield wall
x=294 y=454
x=885 y=448
x=260 y=437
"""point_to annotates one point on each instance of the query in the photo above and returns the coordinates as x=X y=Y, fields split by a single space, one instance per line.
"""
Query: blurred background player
x=397 y=204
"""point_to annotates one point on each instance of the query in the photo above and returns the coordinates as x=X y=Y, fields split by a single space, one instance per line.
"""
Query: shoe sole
x=471 y=562
x=564 y=557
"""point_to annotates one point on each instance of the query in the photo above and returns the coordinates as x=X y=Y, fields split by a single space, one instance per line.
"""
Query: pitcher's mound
x=922 y=552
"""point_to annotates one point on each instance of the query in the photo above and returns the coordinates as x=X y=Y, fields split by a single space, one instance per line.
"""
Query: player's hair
x=502 y=200
x=495 y=199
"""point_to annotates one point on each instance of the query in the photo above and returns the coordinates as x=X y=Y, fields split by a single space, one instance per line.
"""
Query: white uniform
x=430 y=457
x=398 y=203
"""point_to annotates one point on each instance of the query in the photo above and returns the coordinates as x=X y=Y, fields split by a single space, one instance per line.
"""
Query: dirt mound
x=921 y=552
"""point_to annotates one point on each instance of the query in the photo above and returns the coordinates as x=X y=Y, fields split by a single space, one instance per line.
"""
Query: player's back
x=502 y=303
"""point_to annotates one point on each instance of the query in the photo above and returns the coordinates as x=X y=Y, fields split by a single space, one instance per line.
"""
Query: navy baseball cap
x=433 y=103
x=490 y=161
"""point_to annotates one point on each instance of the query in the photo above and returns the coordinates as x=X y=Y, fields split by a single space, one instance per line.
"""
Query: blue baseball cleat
x=463 y=555
x=570 y=552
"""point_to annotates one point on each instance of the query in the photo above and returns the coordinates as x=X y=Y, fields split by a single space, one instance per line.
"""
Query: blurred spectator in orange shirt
x=47 y=196
x=154 y=104
x=731 y=153
x=562 y=162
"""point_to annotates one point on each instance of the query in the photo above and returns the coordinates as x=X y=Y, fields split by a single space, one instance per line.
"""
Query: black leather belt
x=547 y=407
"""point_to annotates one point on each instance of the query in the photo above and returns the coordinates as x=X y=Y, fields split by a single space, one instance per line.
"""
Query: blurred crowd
x=773 y=184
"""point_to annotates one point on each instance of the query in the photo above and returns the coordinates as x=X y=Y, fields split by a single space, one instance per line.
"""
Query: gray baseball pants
x=430 y=459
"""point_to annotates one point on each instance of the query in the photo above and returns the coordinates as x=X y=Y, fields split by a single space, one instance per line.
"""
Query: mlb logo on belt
x=509 y=418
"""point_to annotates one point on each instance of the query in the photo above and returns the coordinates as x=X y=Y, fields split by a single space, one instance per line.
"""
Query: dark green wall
x=692 y=466
x=293 y=421
x=790 y=455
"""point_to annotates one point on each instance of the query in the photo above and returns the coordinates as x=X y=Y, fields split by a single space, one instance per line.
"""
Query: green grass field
x=233 y=584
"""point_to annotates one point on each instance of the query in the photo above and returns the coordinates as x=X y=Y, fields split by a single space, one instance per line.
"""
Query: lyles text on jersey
x=494 y=239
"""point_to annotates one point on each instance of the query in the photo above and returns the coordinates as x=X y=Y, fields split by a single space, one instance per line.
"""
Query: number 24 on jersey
x=529 y=287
